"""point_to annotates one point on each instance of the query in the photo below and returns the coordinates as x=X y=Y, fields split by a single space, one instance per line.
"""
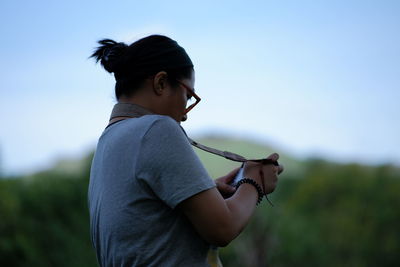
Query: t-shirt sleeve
x=168 y=164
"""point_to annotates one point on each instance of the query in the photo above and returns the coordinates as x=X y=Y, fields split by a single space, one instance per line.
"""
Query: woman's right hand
x=265 y=175
x=253 y=171
x=270 y=174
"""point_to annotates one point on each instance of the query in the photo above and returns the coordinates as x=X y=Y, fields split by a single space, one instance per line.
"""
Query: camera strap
x=123 y=111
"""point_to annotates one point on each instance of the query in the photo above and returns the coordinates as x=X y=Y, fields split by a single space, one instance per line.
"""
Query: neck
x=139 y=101
x=128 y=110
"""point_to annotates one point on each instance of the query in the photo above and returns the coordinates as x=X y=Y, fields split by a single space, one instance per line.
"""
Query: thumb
x=231 y=175
x=274 y=156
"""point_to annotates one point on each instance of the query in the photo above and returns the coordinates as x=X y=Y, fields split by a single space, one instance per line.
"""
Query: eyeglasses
x=192 y=94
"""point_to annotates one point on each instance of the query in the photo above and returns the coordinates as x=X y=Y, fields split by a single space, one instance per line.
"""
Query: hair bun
x=109 y=54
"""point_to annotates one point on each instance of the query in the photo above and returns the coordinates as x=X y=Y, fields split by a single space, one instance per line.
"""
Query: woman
x=151 y=201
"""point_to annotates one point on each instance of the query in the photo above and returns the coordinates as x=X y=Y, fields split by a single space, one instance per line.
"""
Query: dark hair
x=133 y=64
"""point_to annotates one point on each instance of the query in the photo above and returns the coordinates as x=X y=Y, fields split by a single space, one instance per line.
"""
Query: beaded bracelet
x=255 y=184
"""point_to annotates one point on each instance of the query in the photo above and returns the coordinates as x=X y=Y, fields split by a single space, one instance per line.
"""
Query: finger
x=225 y=188
x=270 y=169
x=231 y=175
x=280 y=169
x=273 y=156
x=250 y=164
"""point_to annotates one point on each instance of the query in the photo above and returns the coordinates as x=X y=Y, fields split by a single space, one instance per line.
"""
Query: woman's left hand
x=223 y=184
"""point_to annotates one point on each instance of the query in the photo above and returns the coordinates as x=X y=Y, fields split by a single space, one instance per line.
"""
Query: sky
x=311 y=78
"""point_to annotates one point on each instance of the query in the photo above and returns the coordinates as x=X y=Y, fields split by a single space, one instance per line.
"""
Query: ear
x=160 y=82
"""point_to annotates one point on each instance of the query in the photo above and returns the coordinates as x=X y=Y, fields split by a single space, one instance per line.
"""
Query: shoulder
x=161 y=125
x=163 y=121
x=145 y=124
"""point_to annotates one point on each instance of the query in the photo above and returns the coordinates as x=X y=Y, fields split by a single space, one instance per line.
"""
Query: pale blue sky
x=310 y=77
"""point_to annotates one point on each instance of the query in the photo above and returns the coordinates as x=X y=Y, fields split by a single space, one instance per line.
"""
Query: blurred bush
x=44 y=220
x=324 y=214
x=336 y=215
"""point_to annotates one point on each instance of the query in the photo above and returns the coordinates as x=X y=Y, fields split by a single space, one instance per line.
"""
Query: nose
x=184 y=118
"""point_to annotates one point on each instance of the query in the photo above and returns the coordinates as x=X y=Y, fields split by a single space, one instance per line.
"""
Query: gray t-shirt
x=142 y=169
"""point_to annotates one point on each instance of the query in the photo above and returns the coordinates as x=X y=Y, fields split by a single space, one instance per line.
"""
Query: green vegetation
x=44 y=220
x=324 y=214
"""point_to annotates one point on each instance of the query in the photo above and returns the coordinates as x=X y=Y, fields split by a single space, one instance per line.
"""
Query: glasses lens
x=190 y=101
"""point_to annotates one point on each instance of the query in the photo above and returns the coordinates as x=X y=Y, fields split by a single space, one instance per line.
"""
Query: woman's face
x=178 y=99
